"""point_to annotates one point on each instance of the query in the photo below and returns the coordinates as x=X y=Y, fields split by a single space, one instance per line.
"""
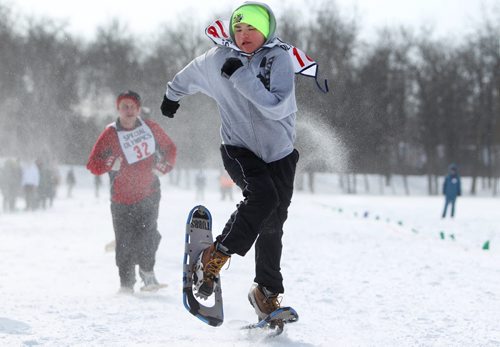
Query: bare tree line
x=405 y=103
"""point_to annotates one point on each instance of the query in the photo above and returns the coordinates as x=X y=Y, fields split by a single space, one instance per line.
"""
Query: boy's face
x=128 y=110
x=248 y=39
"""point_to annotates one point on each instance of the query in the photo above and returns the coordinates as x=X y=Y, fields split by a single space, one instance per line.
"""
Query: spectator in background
x=70 y=182
x=55 y=180
x=10 y=181
x=226 y=186
x=44 y=188
x=451 y=189
x=49 y=179
x=30 y=182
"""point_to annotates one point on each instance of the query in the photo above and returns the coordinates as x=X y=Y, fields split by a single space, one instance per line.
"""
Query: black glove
x=168 y=107
x=230 y=66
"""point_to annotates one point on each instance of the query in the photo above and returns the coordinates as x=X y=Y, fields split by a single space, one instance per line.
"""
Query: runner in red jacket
x=134 y=152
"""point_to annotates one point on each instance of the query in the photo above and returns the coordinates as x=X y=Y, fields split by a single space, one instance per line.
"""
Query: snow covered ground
x=360 y=270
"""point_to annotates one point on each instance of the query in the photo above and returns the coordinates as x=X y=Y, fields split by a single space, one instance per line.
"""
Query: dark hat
x=129 y=94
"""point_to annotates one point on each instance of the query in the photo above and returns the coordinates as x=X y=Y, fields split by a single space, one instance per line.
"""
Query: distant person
x=226 y=186
x=49 y=179
x=10 y=181
x=200 y=182
x=134 y=152
x=30 y=182
x=70 y=182
x=44 y=188
x=451 y=189
x=251 y=76
x=55 y=178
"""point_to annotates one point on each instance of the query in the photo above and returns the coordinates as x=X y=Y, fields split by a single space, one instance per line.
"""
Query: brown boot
x=263 y=301
x=207 y=268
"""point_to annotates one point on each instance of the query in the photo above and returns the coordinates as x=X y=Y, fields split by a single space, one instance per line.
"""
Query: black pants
x=267 y=190
x=137 y=237
x=448 y=202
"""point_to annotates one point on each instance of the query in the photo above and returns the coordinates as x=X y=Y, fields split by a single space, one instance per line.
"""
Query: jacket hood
x=221 y=33
x=272 y=20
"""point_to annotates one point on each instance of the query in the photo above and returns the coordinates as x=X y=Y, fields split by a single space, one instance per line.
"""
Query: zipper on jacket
x=257 y=140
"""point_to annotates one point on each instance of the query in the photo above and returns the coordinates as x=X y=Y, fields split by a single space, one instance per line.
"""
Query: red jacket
x=132 y=182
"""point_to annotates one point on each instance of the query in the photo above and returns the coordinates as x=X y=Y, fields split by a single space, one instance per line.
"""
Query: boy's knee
x=270 y=199
x=264 y=193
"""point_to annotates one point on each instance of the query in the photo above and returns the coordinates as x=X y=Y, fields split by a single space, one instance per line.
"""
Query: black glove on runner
x=168 y=107
x=230 y=66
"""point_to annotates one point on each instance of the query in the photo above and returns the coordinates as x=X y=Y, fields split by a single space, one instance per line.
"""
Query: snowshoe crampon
x=276 y=321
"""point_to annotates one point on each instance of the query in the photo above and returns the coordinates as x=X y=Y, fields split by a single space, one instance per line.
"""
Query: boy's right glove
x=230 y=66
x=169 y=107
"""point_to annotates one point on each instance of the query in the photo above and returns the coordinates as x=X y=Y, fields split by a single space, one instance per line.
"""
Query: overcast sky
x=453 y=17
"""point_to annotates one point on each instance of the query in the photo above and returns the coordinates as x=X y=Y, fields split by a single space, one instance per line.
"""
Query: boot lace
x=273 y=302
x=215 y=264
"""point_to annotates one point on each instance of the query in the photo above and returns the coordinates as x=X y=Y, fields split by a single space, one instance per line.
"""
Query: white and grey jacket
x=257 y=104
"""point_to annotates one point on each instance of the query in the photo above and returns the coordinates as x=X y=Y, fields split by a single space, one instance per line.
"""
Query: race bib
x=137 y=144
